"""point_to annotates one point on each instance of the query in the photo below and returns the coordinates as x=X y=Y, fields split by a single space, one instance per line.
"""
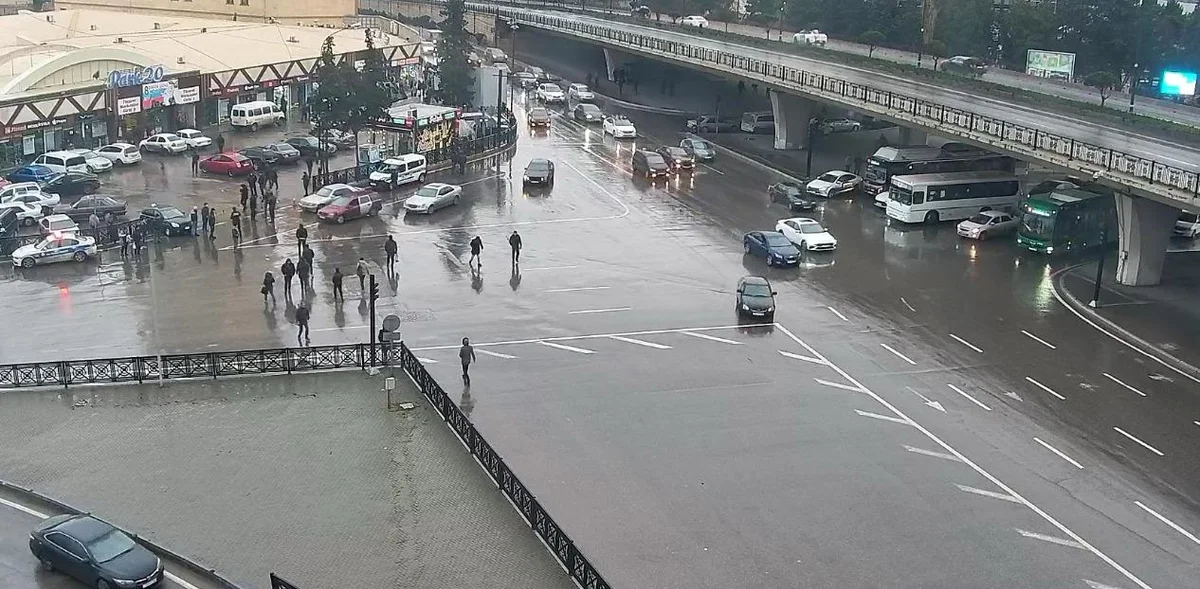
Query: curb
x=644 y=108
x=1115 y=331
x=192 y=564
x=748 y=158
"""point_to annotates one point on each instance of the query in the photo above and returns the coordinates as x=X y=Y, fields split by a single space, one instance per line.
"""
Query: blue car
x=31 y=174
x=773 y=247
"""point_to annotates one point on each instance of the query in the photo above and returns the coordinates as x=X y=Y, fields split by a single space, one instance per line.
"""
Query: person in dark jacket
x=252 y=184
x=361 y=271
x=302 y=322
x=195 y=162
x=303 y=272
x=253 y=208
x=288 y=270
x=212 y=223
x=476 y=249
x=195 y=219
x=390 y=248
x=204 y=219
x=306 y=179
x=245 y=194
x=268 y=287
x=337 y=284
x=467 y=354
x=514 y=241
x=301 y=238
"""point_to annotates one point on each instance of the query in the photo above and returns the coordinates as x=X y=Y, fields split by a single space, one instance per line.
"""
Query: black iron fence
x=105 y=235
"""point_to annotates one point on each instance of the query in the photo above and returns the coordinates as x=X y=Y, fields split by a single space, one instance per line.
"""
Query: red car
x=232 y=164
x=351 y=206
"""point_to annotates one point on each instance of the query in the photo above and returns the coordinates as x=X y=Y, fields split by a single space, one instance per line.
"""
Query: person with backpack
x=476 y=249
x=268 y=287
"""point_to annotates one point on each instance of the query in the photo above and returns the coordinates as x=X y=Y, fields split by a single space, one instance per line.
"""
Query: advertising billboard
x=159 y=94
x=1050 y=64
x=1175 y=83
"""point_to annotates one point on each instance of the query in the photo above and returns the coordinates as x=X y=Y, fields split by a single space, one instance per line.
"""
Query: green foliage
x=871 y=39
x=455 y=72
x=1103 y=81
x=347 y=98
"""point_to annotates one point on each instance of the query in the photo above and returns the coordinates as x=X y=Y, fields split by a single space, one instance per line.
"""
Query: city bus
x=929 y=198
x=921 y=159
x=1068 y=219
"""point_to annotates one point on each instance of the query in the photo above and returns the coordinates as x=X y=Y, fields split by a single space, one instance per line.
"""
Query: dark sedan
x=755 y=298
x=539 y=171
x=261 y=157
x=83 y=208
x=287 y=153
x=587 y=112
x=792 y=195
x=94 y=552
x=71 y=183
x=773 y=246
x=677 y=157
x=539 y=117
x=167 y=220
x=309 y=145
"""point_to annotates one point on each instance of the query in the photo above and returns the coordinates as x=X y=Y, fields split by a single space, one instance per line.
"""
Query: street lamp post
x=1095 y=302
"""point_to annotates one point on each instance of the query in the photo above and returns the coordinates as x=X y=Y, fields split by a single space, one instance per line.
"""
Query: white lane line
x=799 y=357
x=838 y=385
x=1144 y=444
x=176 y=579
x=591 y=311
x=942 y=455
x=838 y=313
x=1163 y=519
x=1196 y=422
x=565 y=347
x=630 y=340
x=1095 y=585
x=548 y=268
x=972 y=399
x=966 y=343
x=992 y=494
x=1056 y=451
x=910 y=307
x=898 y=354
x=712 y=338
x=19 y=507
x=496 y=354
x=1051 y=539
x=427 y=360
x=713 y=169
x=979 y=469
x=582 y=288
x=567 y=338
x=883 y=417
x=1045 y=388
x=1114 y=379
x=1039 y=340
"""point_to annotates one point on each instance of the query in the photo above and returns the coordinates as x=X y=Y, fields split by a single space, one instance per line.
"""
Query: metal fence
x=106 y=235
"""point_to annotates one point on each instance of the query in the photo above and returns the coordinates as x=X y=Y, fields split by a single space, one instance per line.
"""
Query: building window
x=245 y=2
x=229 y=2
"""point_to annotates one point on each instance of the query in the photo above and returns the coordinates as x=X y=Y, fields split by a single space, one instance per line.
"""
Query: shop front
x=414 y=128
x=61 y=121
x=289 y=85
x=147 y=101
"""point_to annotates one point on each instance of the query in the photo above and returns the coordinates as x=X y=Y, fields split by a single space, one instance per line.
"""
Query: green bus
x=1067 y=218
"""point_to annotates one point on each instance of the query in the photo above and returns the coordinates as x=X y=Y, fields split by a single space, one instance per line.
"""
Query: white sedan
x=985 y=224
x=550 y=93
x=326 y=195
x=807 y=234
x=580 y=93
x=619 y=127
x=833 y=183
x=96 y=163
x=27 y=213
x=46 y=200
x=63 y=248
x=164 y=143
x=194 y=138
x=694 y=21
x=121 y=153
x=432 y=197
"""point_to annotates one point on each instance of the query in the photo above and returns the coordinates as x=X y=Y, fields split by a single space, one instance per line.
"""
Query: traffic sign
x=391 y=322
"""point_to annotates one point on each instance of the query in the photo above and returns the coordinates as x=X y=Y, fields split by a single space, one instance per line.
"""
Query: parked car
x=807 y=234
x=711 y=124
x=772 y=246
x=961 y=64
x=261 y=157
x=164 y=143
x=619 y=127
x=121 y=153
x=57 y=225
x=167 y=220
x=987 y=224
x=829 y=126
x=96 y=163
x=340 y=137
x=432 y=197
x=755 y=298
x=351 y=206
x=93 y=551
x=325 y=195
x=31 y=173
x=82 y=209
x=700 y=149
x=62 y=247
x=810 y=37
x=649 y=164
x=1187 y=225
x=539 y=171
x=550 y=92
x=286 y=152
x=230 y=164
x=791 y=194
x=310 y=146
x=194 y=138
x=833 y=183
x=28 y=214
x=676 y=157
x=694 y=21
x=72 y=183
x=587 y=112
x=539 y=117
x=29 y=192
x=580 y=93
x=62 y=161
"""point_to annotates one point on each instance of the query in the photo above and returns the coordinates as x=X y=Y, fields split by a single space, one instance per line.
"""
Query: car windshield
x=655 y=160
x=676 y=152
x=811 y=228
x=171 y=137
x=170 y=212
x=326 y=191
x=90 y=155
x=791 y=189
x=54 y=178
x=980 y=219
x=828 y=177
x=427 y=191
x=701 y=146
x=282 y=147
x=1037 y=223
x=1189 y=217
x=900 y=194
x=538 y=166
x=386 y=167
x=110 y=546
x=341 y=201
x=756 y=290
x=621 y=121
x=589 y=109
x=776 y=240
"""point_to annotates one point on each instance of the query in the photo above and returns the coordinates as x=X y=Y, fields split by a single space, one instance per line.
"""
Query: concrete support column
x=792 y=114
x=615 y=60
x=911 y=136
x=1145 y=229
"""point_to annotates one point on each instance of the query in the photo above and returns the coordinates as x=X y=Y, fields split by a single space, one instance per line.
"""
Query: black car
x=587 y=113
x=792 y=195
x=309 y=145
x=677 y=157
x=71 y=183
x=755 y=298
x=539 y=117
x=524 y=79
x=261 y=157
x=287 y=154
x=539 y=171
x=167 y=220
x=94 y=552
x=83 y=208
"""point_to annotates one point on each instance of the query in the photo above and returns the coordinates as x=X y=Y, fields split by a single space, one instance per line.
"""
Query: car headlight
x=745 y=307
x=1050 y=250
x=771 y=309
x=975 y=232
x=526 y=177
x=175 y=225
x=125 y=582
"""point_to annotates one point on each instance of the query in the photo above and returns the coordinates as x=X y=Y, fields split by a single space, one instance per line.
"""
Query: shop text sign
x=135 y=77
x=54 y=122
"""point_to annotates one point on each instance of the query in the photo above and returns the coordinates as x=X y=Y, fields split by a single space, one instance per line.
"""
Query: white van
x=255 y=114
x=58 y=224
x=758 y=122
x=62 y=161
x=409 y=167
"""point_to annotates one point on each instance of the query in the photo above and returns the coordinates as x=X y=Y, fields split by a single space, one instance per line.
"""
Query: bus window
x=918 y=198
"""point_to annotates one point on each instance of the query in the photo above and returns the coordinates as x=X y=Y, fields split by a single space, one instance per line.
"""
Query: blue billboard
x=1177 y=83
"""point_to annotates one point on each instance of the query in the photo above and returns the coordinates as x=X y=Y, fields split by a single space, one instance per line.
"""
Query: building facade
x=305 y=12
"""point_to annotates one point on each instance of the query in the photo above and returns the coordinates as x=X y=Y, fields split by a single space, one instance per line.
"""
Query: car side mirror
x=741 y=290
x=773 y=293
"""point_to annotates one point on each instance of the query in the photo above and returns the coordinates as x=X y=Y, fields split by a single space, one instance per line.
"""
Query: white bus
x=930 y=198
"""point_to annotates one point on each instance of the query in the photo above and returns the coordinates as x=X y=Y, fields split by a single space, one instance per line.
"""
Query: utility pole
x=1095 y=302
x=374 y=295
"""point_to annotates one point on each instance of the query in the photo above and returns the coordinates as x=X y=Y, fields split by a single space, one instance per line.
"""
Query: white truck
x=812 y=37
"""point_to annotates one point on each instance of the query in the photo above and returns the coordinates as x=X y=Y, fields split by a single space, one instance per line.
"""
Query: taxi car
x=55 y=248
x=350 y=206
x=327 y=194
x=230 y=164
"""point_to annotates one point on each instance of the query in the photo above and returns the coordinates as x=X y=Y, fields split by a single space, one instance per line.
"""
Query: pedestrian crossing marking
x=711 y=338
x=630 y=340
x=566 y=347
x=495 y=354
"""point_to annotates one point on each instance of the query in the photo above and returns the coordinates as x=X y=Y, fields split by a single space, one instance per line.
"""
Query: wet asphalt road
x=673 y=442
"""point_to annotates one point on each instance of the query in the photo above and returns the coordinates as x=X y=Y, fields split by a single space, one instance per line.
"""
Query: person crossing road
x=514 y=241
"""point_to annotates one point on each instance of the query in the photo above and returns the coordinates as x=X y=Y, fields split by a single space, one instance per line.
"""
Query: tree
x=766 y=12
x=871 y=39
x=1104 y=81
x=455 y=72
x=370 y=94
x=937 y=50
x=330 y=103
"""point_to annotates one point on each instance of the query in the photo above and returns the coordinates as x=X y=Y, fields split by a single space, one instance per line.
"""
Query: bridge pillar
x=911 y=136
x=1145 y=229
x=792 y=114
x=615 y=60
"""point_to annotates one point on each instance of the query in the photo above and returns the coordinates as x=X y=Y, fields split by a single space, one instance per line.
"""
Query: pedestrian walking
x=235 y=217
x=476 y=249
x=308 y=162
x=109 y=219
x=245 y=194
x=303 y=272
x=514 y=241
x=195 y=219
x=268 y=287
x=236 y=234
x=204 y=219
x=94 y=221
x=212 y=223
x=305 y=179
x=395 y=179
x=253 y=208
x=269 y=206
x=264 y=178
x=126 y=241
x=288 y=270
x=220 y=143
x=390 y=248
x=361 y=271
x=467 y=354
x=302 y=322
x=137 y=243
x=195 y=163
x=301 y=238
x=273 y=178
x=337 y=284
x=252 y=182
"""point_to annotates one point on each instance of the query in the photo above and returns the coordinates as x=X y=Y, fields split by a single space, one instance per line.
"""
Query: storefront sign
x=14 y=129
x=187 y=95
x=135 y=77
x=158 y=94
x=249 y=88
x=129 y=106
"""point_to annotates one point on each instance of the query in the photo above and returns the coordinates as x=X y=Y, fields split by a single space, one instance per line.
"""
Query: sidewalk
x=1159 y=320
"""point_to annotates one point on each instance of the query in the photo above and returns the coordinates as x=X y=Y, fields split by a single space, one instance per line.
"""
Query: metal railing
x=105 y=235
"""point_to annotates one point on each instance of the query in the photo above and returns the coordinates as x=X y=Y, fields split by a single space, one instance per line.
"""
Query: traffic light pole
x=374 y=294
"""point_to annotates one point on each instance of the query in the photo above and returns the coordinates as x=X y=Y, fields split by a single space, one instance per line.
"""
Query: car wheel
x=803 y=246
x=27 y=263
x=167 y=232
x=27 y=221
x=79 y=257
x=983 y=236
x=341 y=219
x=932 y=217
x=102 y=584
x=421 y=177
x=746 y=247
x=455 y=201
x=769 y=262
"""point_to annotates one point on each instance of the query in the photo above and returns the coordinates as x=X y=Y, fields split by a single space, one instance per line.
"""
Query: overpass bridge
x=1153 y=177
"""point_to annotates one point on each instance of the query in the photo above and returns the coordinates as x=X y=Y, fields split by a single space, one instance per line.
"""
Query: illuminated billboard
x=1050 y=64
x=1177 y=83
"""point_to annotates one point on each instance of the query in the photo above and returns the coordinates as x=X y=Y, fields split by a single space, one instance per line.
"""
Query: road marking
x=590 y=311
x=19 y=507
x=910 y=307
x=1012 y=394
x=713 y=169
x=1114 y=379
x=898 y=354
x=630 y=340
x=1163 y=519
x=883 y=417
x=1056 y=451
x=992 y=494
x=1144 y=444
x=577 y=289
x=567 y=338
x=174 y=577
x=1051 y=539
x=972 y=399
x=714 y=338
x=942 y=455
x=548 y=268
x=1095 y=585
x=565 y=347
x=1045 y=388
x=496 y=354
x=979 y=469
x=935 y=404
x=837 y=385
x=799 y=357
x=1040 y=340
x=836 y=312
x=966 y=343
x=427 y=360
